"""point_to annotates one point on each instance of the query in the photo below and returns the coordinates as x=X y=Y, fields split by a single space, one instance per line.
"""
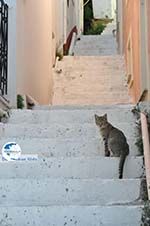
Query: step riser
x=67 y=101
x=79 y=216
x=124 y=108
x=91 y=69
x=64 y=148
x=21 y=192
x=97 y=61
x=104 y=44
x=79 y=168
x=59 y=131
x=75 y=116
x=96 y=53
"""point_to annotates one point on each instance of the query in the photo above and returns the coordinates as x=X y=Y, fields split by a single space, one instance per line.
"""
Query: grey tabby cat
x=114 y=141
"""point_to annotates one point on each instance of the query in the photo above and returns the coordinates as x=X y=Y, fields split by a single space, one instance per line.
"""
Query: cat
x=114 y=32
x=115 y=142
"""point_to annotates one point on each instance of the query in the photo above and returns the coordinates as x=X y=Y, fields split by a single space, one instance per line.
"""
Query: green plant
x=93 y=26
x=97 y=27
x=146 y=214
x=139 y=140
x=20 y=102
x=88 y=15
x=139 y=144
x=59 y=54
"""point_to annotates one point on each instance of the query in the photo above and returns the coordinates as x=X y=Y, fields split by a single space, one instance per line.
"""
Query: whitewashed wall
x=79 y=15
x=71 y=16
x=67 y=18
x=103 y=8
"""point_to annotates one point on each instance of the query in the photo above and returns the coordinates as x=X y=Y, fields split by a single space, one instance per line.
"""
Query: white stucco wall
x=71 y=16
x=66 y=18
x=120 y=25
x=103 y=8
x=79 y=15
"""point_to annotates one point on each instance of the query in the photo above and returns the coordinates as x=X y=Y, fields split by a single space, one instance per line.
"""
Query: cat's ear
x=96 y=116
x=105 y=116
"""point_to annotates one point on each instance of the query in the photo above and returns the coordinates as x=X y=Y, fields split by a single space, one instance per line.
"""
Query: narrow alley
x=61 y=163
x=94 y=75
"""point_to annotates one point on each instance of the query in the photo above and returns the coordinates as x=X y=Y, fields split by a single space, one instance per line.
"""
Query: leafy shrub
x=59 y=54
x=88 y=15
x=20 y=102
x=97 y=27
x=146 y=214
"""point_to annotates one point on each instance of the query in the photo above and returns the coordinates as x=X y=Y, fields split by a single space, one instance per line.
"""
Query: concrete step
x=90 y=59
x=125 y=108
x=83 y=70
x=100 y=86
x=69 y=130
x=90 y=38
x=45 y=192
x=100 y=65
x=72 y=215
x=78 y=168
x=90 y=63
x=61 y=147
x=64 y=147
x=84 y=98
x=81 y=45
x=101 y=78
x=75 y=84
x=104 y=44
x=96 y=52
x=60 y=116
x=89 y=45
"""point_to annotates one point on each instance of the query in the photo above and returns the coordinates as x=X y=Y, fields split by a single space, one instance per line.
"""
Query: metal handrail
x=146 y=145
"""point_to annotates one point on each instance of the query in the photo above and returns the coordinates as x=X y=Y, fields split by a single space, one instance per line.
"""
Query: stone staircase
x=97 y=45
x=72 y=183
x=88 y=80
x=95 y=75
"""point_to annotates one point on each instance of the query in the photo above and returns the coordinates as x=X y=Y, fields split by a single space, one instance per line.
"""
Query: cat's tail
x=121 y=165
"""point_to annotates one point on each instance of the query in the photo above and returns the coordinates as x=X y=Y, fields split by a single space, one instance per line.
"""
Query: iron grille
x=3 y=47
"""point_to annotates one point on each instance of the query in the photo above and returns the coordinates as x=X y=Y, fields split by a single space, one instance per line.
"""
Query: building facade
x=133 y=40
x=104 y=8
x=36 y=31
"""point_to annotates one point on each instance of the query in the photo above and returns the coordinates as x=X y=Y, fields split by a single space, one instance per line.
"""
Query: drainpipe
x=146 y=144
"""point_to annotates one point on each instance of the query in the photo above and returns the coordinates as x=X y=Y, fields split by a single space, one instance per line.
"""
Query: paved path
x=97 y=45
x=72 y=183
x=95 y=75
x=90 y=80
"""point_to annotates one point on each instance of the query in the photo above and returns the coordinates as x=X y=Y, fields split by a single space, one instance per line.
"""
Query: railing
x=146 y=144
x=3 y=48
